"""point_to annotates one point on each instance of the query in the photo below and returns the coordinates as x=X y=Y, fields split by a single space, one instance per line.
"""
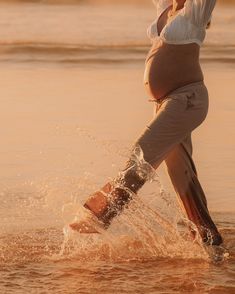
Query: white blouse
x=188 y=25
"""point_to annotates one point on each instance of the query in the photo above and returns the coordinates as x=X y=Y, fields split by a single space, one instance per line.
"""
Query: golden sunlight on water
x=59 y=164
x=72 y=103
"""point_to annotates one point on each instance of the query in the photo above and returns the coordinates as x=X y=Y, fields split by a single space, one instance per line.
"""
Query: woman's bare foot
x=95 y=207
x=84 y=227
x=90 y=224
x=101 y=208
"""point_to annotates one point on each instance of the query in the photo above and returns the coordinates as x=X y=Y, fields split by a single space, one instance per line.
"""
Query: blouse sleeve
x=199 y=11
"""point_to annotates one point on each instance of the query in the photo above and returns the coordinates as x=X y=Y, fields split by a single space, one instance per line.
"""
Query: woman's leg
x=183 y=175
x=110 y=200
x=177 y=115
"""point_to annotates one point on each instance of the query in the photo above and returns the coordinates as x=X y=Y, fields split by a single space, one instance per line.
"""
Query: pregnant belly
x=169 y=67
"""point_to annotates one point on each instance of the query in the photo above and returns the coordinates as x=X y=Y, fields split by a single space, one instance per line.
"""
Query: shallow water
x=32 y=262
x=67 y=126
x=58 y=149
x=147 y=249
x=75 y=34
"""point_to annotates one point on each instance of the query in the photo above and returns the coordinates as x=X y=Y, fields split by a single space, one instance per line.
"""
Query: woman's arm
x=199 y=11
x=162 y=3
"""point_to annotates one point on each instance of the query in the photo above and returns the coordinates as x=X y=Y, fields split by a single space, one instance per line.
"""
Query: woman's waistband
x=182 y=89
x=187 y=86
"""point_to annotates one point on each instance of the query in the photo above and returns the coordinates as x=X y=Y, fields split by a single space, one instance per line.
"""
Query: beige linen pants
x=168 y=138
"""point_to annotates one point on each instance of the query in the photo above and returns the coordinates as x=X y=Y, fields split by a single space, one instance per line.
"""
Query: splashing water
x=141 y=231
x=151 y=227
x=151 y=233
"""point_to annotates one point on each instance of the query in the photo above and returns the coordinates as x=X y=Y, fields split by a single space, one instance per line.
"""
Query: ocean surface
x=95 y=33
x=72 y=103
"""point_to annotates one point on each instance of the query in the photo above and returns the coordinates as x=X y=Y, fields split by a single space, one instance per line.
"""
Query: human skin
x=168 y=67
x=179 y=3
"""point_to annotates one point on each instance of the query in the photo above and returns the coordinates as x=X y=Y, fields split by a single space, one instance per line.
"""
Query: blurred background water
x=72 y=102
x=33 y=31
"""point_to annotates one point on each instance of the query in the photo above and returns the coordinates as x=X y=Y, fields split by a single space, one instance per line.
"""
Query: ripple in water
x=141 y=232
x=150 y=236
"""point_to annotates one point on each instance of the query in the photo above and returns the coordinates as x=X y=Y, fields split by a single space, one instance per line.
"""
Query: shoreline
x=76 y=54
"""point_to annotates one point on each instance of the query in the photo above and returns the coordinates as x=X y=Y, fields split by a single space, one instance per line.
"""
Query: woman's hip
x=190 y=101
x=176 y=116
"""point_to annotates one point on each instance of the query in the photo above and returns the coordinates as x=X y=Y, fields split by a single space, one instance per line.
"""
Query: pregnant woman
x=174 y=80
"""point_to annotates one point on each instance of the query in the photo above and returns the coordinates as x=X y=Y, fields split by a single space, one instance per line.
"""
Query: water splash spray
x=140 y=231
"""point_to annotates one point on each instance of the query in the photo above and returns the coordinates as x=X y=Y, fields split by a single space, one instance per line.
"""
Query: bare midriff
x=170 y=66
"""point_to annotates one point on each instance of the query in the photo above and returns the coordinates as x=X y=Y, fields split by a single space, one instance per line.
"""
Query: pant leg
x=177 y=115
x=168 y=137
x=183 y=175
